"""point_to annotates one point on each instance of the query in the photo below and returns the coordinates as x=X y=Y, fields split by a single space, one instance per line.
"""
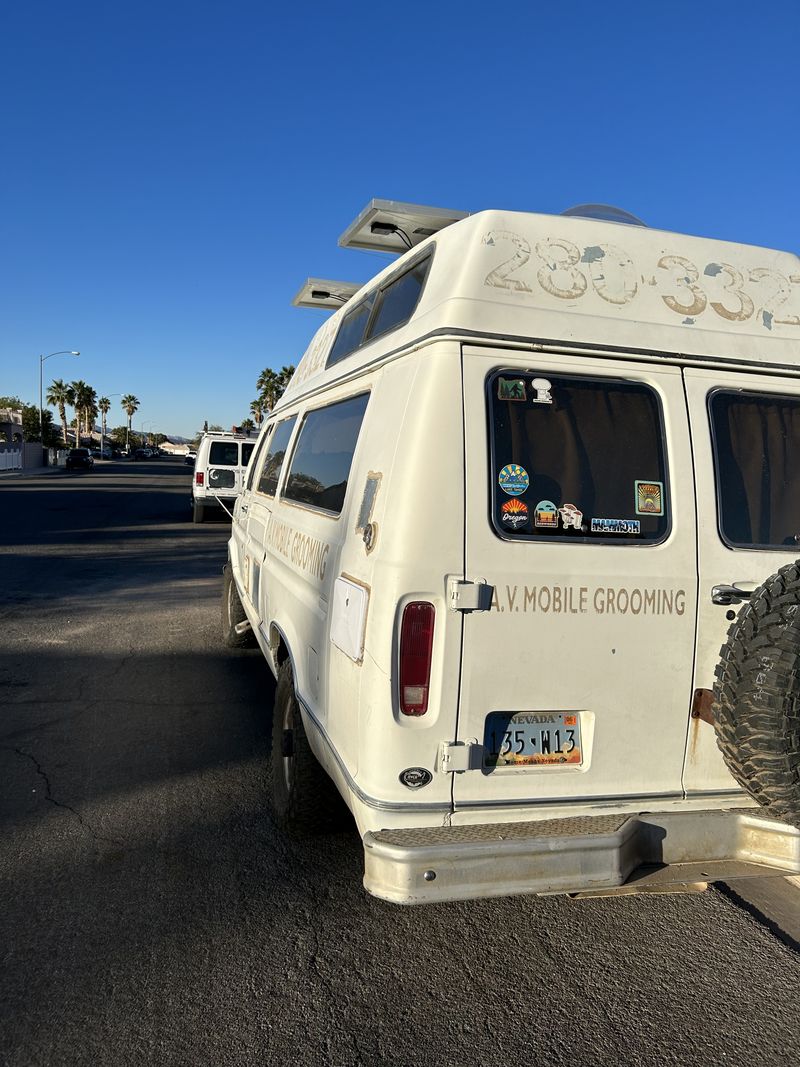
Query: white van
x=219 y=471
x=493 y=538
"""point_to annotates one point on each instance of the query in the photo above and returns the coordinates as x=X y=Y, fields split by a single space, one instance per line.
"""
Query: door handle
x=730 y=594
x=243 y=509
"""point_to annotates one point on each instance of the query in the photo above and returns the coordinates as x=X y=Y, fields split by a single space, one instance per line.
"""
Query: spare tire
x=757 y=695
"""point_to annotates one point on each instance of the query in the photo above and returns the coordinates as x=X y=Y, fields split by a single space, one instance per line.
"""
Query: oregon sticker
x=649 y=498
x=514 y=514
x=511 y=389
x=546 y=515
x=513 y=479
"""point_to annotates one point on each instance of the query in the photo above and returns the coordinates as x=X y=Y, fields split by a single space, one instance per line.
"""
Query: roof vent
x=605 y=212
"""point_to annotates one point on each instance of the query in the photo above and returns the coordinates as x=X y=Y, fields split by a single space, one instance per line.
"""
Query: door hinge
x=457 y=756
x=469 y=596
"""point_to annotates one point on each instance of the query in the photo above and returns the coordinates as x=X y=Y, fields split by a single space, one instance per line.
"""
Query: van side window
x=381 y=311
x=224 y=454
x=757 y=460
x=323 y=456
x=397 y=301
x=351 y=331
x=274 y=457
x=256 y=461
x=576 y=458
x=247 y=451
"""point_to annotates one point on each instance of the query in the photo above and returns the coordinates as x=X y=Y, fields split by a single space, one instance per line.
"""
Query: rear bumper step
x=576 y=855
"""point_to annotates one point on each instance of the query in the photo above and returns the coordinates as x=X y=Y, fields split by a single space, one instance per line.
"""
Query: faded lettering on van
x=583 y=600
x=305 y=552
x=735 y=292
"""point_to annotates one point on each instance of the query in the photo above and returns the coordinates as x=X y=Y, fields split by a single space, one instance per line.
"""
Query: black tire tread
x=233 y=613
x=313 y=805
x=757 y=695
x=198 y=512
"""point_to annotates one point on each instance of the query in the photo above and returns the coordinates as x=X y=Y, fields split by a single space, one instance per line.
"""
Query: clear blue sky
x=171 y=172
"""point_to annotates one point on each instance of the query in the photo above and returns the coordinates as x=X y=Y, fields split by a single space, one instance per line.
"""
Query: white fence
x=11 y=460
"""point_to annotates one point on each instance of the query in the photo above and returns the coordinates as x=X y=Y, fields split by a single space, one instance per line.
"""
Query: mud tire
x=757 y=696
x=198 y=512
x=304 y=799
x=233 y=613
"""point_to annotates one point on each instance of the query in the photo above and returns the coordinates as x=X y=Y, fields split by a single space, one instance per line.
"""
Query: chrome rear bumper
x=576 y=855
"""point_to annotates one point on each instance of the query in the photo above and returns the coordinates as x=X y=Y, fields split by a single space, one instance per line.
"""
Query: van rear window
x=224 y=454
x=576 y=458
x=322 y=459
x=757 y=460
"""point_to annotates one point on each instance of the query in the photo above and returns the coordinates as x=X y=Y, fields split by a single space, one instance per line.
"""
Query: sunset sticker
x=649 y=498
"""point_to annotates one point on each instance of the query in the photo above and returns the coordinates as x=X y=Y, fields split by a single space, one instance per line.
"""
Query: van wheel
x=304 y=799
x=757 y=696
x=233 y=613
x=198 y=512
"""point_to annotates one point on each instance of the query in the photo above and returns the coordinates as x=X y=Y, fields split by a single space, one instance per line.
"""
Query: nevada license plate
x=532 y=739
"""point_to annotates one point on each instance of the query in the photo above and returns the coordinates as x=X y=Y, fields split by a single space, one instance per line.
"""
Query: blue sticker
x=616 y=526
x=546 y=514
x=513 y=479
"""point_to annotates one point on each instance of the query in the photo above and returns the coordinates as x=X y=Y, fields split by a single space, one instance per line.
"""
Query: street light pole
x=61 y=352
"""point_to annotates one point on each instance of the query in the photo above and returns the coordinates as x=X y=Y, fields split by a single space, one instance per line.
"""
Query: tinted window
x=351 y=331
x=397 y=301
x=576 y=458
x=756 y=450
x=224 y=453
x=274 y=457
x=254 y=466
x=321 y=461
x=247 y=451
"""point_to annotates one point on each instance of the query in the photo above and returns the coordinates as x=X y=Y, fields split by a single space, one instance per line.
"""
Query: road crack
x=48 y=793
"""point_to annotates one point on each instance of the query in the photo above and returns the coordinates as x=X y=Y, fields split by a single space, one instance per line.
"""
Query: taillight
x=199 y=478
x=416 y=644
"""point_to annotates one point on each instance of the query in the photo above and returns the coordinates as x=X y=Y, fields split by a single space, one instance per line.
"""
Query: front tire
x=233 y=613
x=304 y=799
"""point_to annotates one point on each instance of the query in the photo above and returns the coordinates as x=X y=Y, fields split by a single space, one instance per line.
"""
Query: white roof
x=588 y=282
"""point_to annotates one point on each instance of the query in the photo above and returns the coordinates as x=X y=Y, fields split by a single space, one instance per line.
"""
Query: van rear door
x=576 y=684
x=746 y=438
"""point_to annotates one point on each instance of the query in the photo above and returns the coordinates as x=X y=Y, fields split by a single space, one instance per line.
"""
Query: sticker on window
x=616 y=526
x=649 y=498
x=511 y=389
x=513 y=479
x=541 y=388
x=546 y=515
x=514 y=513
x=571 y=517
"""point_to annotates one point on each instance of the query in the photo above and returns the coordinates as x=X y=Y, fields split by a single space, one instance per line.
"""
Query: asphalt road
x=150 y=913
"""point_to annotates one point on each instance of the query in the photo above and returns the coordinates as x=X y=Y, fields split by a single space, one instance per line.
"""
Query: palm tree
x=269 y=387
x=130 y=404
x=90 y=409
x=83 y=396
x=286 y=375
x=104 y=404
x=257 y=411
x=58 y=396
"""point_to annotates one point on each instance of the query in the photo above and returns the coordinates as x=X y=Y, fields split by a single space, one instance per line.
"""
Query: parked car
x=79 y=459
x=520 y=490
x=191 y=456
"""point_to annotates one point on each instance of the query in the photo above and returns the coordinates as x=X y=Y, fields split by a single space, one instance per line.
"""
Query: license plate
x=532 y=739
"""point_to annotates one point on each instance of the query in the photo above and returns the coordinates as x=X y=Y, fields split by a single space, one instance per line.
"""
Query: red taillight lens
x=199 y=478
x=416 y=644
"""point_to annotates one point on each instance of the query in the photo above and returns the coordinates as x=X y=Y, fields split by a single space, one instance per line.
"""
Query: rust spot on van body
x=701 y=705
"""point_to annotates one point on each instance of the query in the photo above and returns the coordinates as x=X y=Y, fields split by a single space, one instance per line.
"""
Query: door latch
x=729 y=594
x=457 y=756
x=469 y=596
